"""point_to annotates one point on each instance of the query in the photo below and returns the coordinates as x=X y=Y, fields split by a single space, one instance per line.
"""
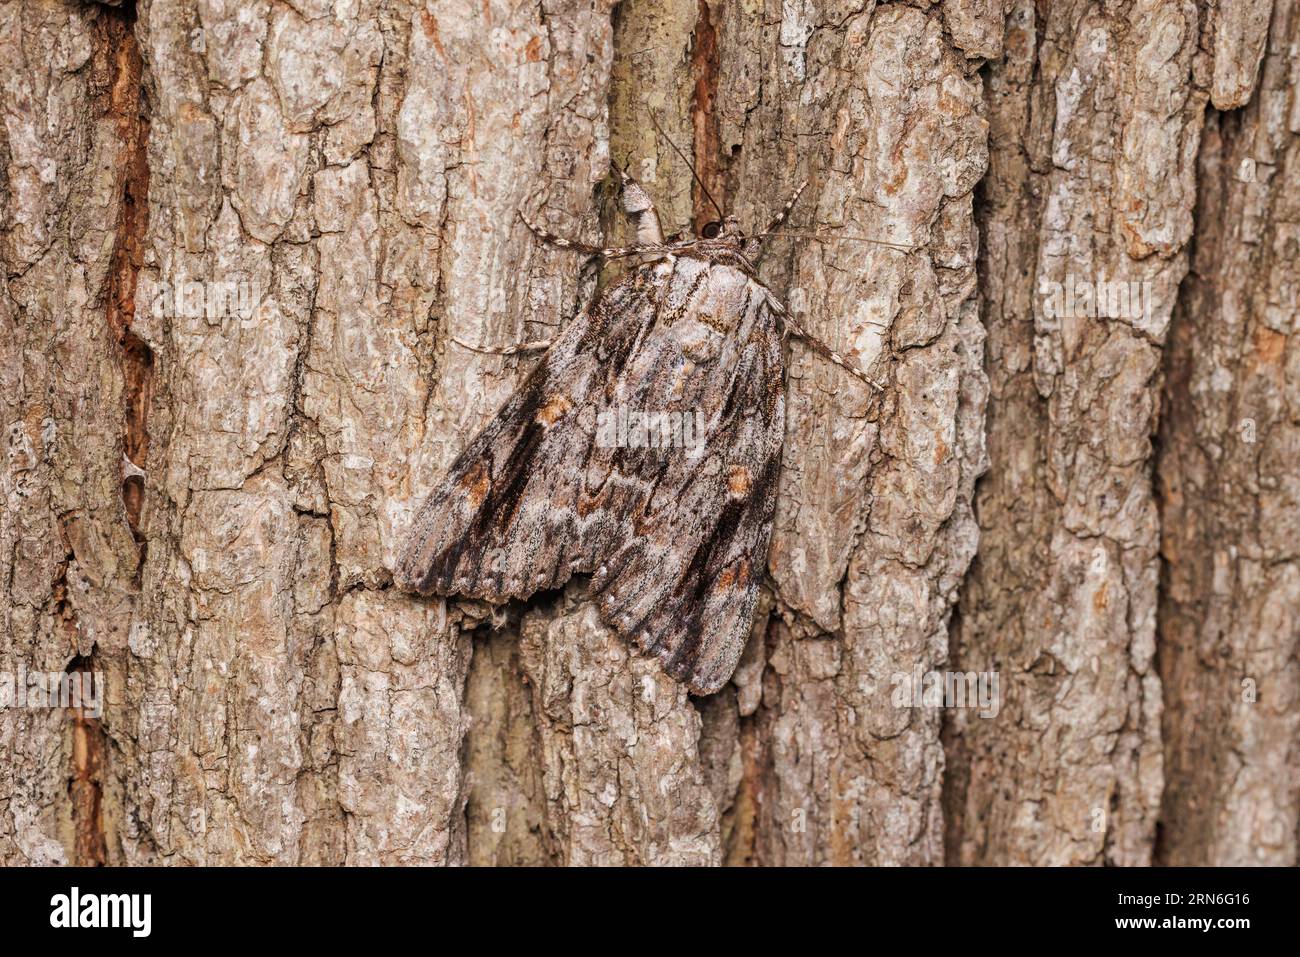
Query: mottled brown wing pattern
x=514 y=514
x=683 y=582
x=676 y=538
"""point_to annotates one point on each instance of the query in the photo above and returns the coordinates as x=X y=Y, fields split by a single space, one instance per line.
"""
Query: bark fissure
x=85 y=786
x=126 y=105
x=704 y=119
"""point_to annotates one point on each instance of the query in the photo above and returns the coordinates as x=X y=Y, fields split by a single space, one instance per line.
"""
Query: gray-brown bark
x=1096 y=119
x=204 y=504
x=1228 y=479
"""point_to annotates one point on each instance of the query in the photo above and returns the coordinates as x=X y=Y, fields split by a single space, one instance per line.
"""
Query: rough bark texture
x=1095 y=122
x=203 y=502
x=1229 y=476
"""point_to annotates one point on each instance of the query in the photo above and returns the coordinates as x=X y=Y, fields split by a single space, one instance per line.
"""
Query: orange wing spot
x=737 y=574
x=476 y=484
x=589 y=503
x=739 y=481
x=553 y=410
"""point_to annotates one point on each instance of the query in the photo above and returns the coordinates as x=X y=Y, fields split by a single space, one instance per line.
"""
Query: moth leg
x=586 y=249
x=791 y=327
x=640 y=210
x=535 y=346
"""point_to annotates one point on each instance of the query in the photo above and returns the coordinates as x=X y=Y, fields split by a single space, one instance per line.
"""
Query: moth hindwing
x=644 y=450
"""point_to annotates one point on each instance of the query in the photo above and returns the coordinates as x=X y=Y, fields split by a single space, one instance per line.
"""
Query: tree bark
x=1227 y=474
x=242 y=244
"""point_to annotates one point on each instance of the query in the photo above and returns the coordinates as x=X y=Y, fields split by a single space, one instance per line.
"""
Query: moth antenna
x=534 y=346
x=585 y=249
x=826 y=352
x=754 y=245
x=689 y=165
x=781 y=217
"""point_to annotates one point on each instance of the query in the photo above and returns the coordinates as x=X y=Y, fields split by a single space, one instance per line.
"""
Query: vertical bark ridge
x=1230 y=603
x=706 y=146
x=127 y=108
x=86 y=784
x=122 y=104
x=1092 y=179
x=67 y=554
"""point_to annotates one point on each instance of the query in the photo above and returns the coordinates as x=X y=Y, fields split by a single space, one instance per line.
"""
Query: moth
x=674 y=535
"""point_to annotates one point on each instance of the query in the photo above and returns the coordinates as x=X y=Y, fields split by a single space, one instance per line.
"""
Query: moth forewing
x=674 y=537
